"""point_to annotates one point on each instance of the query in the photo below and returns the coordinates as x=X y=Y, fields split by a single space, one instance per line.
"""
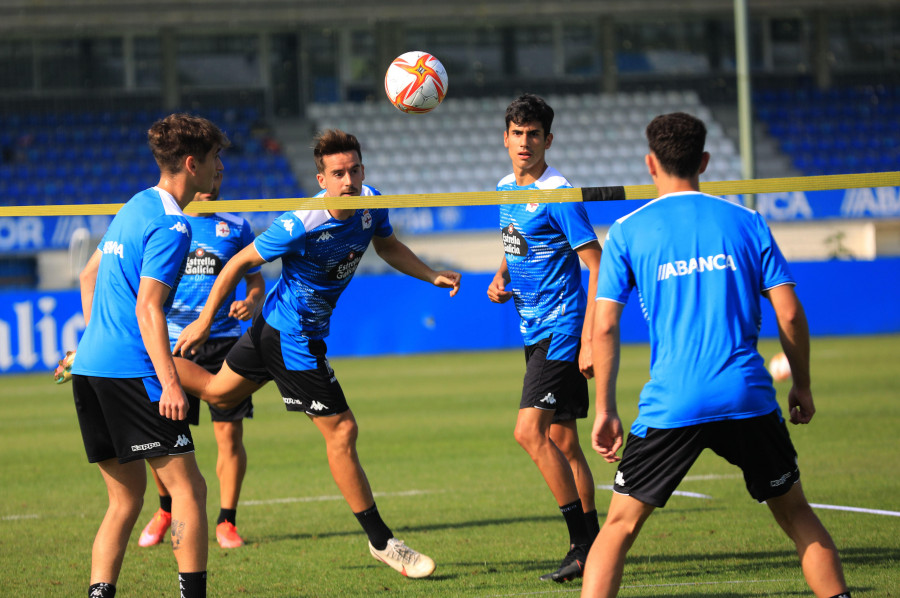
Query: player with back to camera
x=217 y=237
x=700 y=276
x=540 y=270
x=320 y=251
x=130 y=404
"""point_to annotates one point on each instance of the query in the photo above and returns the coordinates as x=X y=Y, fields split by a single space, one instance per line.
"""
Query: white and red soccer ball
x=416 y=82
x=779 y=367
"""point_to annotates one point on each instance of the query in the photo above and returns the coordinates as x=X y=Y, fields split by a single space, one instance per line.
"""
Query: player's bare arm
x=590 y=255
x=151 y=297
x=243 y=309
x=607 y=435
x=196 y=333
x=401 y=258
x=88 y=282
x=497 y=289
x=793 y=331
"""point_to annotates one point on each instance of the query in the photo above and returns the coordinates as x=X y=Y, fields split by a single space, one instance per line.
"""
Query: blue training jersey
x=216 y=239
x=148 y=238
x=319 y=256
x=699 y=264
x=539 y=240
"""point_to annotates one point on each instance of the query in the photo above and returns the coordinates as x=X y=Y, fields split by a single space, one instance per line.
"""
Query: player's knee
x=126 y=505
x=527 y=437
x=344 y=434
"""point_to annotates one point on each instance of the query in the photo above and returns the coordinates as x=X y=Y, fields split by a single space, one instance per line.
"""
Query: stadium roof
x=28 y=17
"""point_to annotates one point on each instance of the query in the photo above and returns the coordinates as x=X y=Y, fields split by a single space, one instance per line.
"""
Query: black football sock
x=165 y=503
x=593 y=524
x=193 y=585
x=375 y=528
x=842 y=595
x=102 y=590
x=229 y=515
x=575 y=521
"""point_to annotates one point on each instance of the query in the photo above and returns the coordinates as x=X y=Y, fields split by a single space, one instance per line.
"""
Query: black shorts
x=211 y=355
x=296 y=363
x=653 y=466
x=119 y=420
x=555 y=382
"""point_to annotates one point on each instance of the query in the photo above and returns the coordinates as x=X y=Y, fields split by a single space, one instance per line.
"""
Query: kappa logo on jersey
x=620 y=479
x=549 y=399
x=346 y=267
x=695 y=264
x=326 y=236
x=532 y=207
x=317 y=406
x=182 y=441
x=288 y=226
x=114 y=248
x=513 y=242
x=222 y=229
x=366 y=219
x=203 y=263
x=180 y=227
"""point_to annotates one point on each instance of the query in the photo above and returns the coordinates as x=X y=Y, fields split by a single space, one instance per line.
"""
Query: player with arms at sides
x=700 y=276
x=319 y=251
x=216 y=239
x=130 y=403
x=540 y=271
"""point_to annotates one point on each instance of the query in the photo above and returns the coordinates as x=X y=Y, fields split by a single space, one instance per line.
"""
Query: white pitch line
x=325 y=498
x=20 y=517
x=857 y=510
x=676 y=493
x=814 y=505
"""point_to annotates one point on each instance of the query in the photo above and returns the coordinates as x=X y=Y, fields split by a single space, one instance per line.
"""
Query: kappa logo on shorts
x=144 y=447
x=317 y=406
x=620 y=479
x=549 y=399
x=182 y=441
x=780 y=481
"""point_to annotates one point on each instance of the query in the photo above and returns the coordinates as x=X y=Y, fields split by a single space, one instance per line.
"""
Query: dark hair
x=529 y=108
x=677 y=140
x=177 y=136
x=334 y=141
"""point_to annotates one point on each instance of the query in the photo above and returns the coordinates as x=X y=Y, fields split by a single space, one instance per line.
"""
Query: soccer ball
x=416 y=82
x=779 y=367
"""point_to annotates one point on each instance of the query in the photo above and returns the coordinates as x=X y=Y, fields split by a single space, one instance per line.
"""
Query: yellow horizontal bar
x=476 y=198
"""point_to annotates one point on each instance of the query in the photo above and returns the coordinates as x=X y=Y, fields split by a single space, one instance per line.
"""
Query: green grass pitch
x=436 y=442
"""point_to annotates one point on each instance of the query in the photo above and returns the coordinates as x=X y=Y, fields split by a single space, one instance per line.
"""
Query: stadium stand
x=841 y=130
x=598 y=140
x=102 y=157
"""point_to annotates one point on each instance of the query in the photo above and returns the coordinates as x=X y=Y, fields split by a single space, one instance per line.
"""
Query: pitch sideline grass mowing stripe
x=333 y=497
x=648 y=586
x=472 y=198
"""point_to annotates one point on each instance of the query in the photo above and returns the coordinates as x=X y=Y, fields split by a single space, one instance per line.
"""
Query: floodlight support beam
x=745 y=115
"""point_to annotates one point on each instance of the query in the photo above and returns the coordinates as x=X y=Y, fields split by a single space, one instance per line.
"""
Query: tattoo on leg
x=177 y=533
